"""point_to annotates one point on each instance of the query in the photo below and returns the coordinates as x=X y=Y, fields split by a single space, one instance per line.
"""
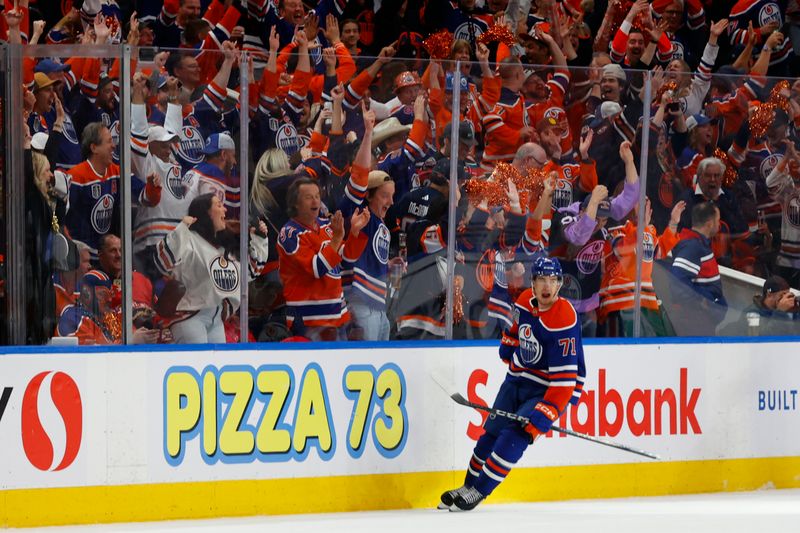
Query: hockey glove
x=544 y=414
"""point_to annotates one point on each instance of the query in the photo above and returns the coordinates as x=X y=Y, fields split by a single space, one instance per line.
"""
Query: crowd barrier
x=471 y=311
x=121 y=434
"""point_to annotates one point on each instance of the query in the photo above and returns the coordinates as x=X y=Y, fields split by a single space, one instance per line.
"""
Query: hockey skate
x=448 y=497
x=468 y=500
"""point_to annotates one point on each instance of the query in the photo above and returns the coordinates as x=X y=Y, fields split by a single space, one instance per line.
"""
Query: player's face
x=381 y=201
x=217 y=214
x=545 y=289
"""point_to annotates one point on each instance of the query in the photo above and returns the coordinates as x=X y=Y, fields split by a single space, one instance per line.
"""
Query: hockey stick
x=459 y=399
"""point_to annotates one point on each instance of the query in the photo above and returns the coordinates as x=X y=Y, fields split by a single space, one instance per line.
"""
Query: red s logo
x=52 y=421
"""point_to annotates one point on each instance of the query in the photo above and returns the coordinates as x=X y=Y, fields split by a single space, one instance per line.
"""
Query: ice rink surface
x=767 y=511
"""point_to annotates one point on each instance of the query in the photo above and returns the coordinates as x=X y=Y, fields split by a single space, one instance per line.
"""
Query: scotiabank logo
x=604 y=412
x=52 y=421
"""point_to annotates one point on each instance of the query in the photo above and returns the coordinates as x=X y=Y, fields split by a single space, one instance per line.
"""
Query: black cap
x=466 y=133
x=774 y=284
x=603 y=210
x=781 y=118
x=441 y=171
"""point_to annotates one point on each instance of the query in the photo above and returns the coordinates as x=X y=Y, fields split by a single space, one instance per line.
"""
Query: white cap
x=608 y=109
x=61 y=183
x=612 y=70
x=160 y=134
x=39 y=140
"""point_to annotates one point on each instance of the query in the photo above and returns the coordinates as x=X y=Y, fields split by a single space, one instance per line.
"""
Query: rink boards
x=125 y=435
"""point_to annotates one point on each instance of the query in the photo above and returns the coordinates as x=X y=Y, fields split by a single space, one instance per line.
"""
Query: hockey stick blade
x=459 y=399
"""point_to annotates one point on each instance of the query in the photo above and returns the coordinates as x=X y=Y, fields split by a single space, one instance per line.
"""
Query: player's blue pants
x=504 y=440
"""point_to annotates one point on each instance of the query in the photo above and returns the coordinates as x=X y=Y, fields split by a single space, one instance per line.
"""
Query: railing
x=469 y=244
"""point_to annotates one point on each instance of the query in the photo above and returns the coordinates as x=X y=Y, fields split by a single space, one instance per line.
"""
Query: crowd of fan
x=349 y=159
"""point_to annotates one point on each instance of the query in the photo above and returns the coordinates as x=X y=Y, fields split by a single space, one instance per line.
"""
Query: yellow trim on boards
x=213 y=499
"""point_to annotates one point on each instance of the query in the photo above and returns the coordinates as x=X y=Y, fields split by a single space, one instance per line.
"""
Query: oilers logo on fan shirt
x=530 y=351
x=562 y=195
x=380 y=244
x=191 y=146
x=175 y=182
x=224 y=274
x=101 y=214
x=648 y=247
x=793 y=211
x=589 y=257
x=286 y=138
x=466 y=33
x=769 y=163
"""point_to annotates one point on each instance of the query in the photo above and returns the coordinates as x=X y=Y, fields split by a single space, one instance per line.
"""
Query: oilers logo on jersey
x=114 y=129
x=570 y=288
x=101 y=214
x=69 y=130
x=380 y=244
x=286 y=138
x=190 y=148
x=500 y=271
x=769 y=13
x=467 y=31
x=588 y=259
x=793 y=211
x=530 y=350
x=174 y=182
x=560 y=116
x=648 y=247
x=562 y=195
x=677 y=50
x=769 y=163
x=224 y=274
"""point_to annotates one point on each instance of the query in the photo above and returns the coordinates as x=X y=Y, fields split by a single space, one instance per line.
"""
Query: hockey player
x=544 y=353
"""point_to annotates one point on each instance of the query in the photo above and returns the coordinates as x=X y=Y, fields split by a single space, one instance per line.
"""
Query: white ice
x=767 y=511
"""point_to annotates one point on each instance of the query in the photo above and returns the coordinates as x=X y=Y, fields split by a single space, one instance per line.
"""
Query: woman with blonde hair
x=271 y=179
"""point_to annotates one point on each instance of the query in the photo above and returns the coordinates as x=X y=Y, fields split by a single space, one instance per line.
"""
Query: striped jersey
x=783 y=190
x=371 y=269
x=208 y=178
x=212 y=278
x=545 y=348
x=760 y=13
x=501 y=125
x=695 y=265
x=93 y=203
